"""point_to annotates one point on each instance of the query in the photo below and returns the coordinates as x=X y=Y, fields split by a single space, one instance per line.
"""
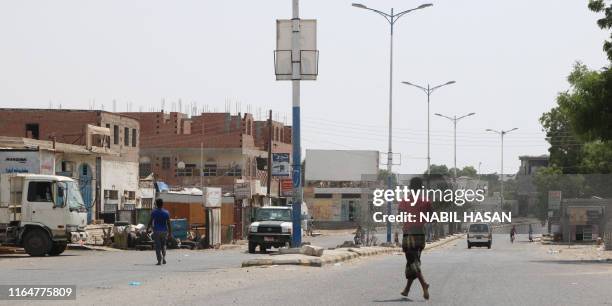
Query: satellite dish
x=181 y=165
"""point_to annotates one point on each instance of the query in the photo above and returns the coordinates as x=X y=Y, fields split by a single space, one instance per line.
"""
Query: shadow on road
x=403 y=299
x=576 y=262
x=24 y=256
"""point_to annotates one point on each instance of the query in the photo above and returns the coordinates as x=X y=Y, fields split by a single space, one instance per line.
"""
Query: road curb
x=443 y=242
x=350 y=253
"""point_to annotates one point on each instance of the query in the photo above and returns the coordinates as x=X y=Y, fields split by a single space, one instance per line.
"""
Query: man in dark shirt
x=413 y=242
x=160 y=219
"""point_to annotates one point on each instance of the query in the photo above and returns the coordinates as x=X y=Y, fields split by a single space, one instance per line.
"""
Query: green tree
x=588 y=104
x=468 y=171
x=438 y=169
x=599 y=6
x=552 y=178
x=565 y=148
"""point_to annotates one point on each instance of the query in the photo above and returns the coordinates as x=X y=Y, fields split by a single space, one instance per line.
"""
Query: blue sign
x=280 y=164
x=297 y=177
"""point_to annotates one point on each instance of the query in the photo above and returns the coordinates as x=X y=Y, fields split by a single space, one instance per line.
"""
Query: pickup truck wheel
x=37 y=243
x=57 y=248
x=252 y=247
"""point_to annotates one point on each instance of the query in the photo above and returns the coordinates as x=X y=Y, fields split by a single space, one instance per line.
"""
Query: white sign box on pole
x=308 y=56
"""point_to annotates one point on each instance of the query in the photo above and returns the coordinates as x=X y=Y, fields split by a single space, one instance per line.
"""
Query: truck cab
x=41 y=213
x=270 y=227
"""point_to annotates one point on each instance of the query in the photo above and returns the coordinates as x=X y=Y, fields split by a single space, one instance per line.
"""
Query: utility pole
x=455 y=119
x=296 y=39
x=428 y=91
x=501 y=133
x=391 y=18
x=269 y=158
x=296 y=239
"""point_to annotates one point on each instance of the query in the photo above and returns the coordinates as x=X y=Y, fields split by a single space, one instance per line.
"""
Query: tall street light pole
x=429 y=90
x=391 y=18
x=455 y=119
x=502 y=133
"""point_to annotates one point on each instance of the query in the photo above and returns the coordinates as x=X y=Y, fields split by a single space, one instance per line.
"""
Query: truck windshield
x=273 y=215
x=75 y=201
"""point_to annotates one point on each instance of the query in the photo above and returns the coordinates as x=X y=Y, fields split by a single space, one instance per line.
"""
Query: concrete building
x=527 y=193
x=337 y=186
x=584 y=219
x=106 y=157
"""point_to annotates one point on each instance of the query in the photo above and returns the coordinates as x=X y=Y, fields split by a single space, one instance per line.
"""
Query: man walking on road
x=413 y=241
x=160 y=219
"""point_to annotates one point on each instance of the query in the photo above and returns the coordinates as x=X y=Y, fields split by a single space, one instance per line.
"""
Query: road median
x=334 y=256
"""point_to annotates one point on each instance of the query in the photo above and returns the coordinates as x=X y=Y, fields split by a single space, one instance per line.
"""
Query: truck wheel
x=57 y=248
x=252 y=247
x=263 y=248
x=37 y=242
x=469 y=246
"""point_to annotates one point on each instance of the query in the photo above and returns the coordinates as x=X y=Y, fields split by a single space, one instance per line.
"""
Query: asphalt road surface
x=508 y=274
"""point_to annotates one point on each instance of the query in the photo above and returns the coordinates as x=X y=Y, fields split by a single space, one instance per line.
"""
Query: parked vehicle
x=479 y=234
x=271 y=227
x=41 y=213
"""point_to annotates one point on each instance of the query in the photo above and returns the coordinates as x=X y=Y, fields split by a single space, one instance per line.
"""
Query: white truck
x=41 y=213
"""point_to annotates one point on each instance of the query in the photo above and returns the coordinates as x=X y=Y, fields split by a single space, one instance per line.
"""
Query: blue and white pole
x=296 y=239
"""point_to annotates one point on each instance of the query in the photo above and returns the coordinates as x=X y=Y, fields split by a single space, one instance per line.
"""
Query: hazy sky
x=509 y=58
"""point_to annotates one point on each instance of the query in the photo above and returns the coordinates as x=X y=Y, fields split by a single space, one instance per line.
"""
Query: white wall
x=118 y=175
x=340 y=165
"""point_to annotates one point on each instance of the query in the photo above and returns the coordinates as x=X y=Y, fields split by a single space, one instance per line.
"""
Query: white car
x=479 y=234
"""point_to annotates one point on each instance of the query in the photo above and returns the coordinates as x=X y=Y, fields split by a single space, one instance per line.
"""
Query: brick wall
x=66 y=126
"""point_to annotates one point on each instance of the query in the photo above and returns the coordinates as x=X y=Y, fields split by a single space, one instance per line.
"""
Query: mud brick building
x=109 y=175
x=221 y=146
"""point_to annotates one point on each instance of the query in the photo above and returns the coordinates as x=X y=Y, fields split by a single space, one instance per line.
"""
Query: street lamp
x=428 y=90
x=502 y=133
x=455 y=119
x=391 y=18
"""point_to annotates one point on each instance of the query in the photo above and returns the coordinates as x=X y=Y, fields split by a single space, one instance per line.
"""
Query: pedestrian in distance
x=413 y=240
x=162 y=230
x=512 y=233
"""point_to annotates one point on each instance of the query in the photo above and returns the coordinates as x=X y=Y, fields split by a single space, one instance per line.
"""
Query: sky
x=509 y=58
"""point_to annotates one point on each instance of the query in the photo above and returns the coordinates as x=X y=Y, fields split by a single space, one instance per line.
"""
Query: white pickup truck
x=41 y=213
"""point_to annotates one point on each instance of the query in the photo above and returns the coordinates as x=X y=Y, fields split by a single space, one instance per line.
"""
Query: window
x=479 y=228
x=323 y=195
x=134 y=136
x=210 y=169
x=126 y=137
x=129 y=195
x=32 y=130
x=234 y=171
x=111 y=195
x=165 y=162
x=40 y=192
x=146 y=203
x=351 y=196
x=189 y=170
x=116 y=134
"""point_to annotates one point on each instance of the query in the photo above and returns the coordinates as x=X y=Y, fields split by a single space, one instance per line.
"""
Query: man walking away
x=160 y=219
x=413 y=241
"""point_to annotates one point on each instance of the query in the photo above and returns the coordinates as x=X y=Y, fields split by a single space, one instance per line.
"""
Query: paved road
x=508 y=274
